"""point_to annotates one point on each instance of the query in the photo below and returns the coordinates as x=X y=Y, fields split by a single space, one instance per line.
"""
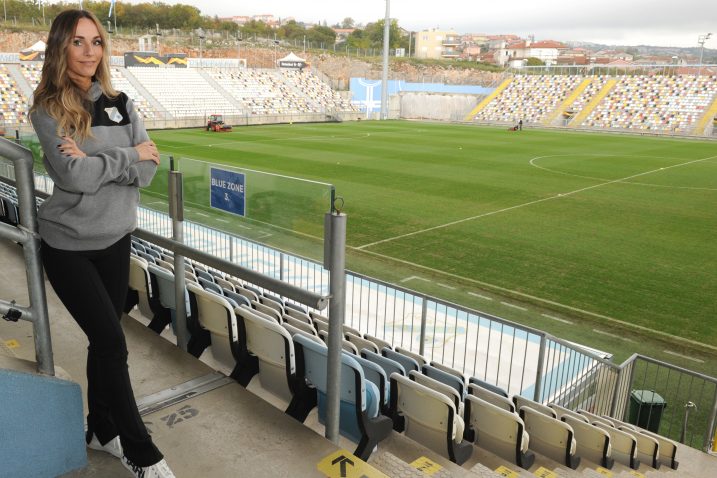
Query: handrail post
x=539 y=373
x=710 y=442
x=424 y=317
x=22 y=158
x=335 y=231
x=176 y=212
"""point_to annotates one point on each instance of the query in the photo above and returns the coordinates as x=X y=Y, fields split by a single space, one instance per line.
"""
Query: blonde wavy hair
x=57 y=94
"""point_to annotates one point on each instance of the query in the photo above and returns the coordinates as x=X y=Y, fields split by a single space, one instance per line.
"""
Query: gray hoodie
x=95 y=198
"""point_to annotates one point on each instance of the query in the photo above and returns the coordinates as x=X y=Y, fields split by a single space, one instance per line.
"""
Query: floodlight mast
x=384 y=77
x=701 y=42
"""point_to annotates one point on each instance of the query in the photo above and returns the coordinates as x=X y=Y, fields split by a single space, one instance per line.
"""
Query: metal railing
x=26 y=234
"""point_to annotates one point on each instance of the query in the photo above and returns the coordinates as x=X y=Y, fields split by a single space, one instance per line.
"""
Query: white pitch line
x=156 y=202
x=614 y=336
x=243 y=227
x=223 y=220
x=446 y=286
x=530 y=203
x=480 y=296
x=514 y=306
x=552 y=317
x=201 y=214
x=414 y=277
x=683 y=356
x=542 y=300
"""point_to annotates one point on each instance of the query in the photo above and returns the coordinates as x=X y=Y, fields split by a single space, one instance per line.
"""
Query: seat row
x=256 y=333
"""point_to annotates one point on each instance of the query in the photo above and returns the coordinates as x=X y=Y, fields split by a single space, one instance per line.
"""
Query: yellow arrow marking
x=343 y=464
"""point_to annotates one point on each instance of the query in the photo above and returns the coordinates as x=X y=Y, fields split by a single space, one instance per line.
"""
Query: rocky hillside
x=338 y=68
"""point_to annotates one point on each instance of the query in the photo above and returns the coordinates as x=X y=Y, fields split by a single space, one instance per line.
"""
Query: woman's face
x=84 y=53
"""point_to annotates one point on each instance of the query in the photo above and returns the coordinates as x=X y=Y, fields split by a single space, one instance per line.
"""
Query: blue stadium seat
x=360 y=419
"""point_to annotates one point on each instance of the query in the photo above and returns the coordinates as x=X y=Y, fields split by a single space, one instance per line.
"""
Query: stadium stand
x=655 y=103
x=190 y=94
x=121 y=83
x=13 y=103
x=530 y=98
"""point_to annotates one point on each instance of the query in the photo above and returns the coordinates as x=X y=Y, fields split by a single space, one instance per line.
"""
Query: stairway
x=583 y=114
x=470 y=116
x=710 y=113
x=550 y=119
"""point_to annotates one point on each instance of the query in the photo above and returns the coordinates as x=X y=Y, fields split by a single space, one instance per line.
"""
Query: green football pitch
x=617 y=226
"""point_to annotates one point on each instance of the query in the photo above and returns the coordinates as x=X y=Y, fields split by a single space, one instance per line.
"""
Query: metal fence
x=517 y=358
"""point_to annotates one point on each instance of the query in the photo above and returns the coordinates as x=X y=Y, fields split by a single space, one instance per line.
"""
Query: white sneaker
x=113 y=447
x=158 y=470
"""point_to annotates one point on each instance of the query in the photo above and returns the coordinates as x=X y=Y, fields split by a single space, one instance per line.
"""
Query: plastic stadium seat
x=441 y=387
x=521 y=402
x=498 y=431
x=593 y=442
x=359 y=408
x=560 y=412
x=273 y=347
x=624 y=446
x=360 y=342
x=488 y=386
x=668 y=448
x=429 y=417
x=406 y=362
x=228 y=342
x=550 y=437
x=380 y=343
x=418 y=358
x=446 y=378
x=299 y=324
x=491 y=397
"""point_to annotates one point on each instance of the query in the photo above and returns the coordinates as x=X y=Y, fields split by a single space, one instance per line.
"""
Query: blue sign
x=227 y=191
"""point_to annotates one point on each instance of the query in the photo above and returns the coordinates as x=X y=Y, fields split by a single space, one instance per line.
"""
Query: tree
x=374 y=31
x=321 y=34
x=291 y=31
x=348 y=23
x=532 y=61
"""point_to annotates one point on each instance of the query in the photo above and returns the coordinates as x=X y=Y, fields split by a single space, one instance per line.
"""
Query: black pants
x=93 y=285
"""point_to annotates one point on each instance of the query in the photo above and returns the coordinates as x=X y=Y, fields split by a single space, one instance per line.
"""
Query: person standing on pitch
x=98 y=154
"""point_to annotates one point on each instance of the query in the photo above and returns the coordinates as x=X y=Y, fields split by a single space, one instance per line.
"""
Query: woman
x=98 y=154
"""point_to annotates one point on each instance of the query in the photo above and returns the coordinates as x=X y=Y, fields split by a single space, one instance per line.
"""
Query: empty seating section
x=276 y=92
x=183 y=92
x=655 y=103
x=121 y=83
x=255 y=332
x=13 y=103
x=258 y=91
x=320 y=97
x=530 y=98
x=32 y=73
x=597 y=84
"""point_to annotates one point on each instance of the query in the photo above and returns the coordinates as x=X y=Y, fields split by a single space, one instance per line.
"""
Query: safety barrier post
x=335 y=258
x=540 y=371
x=176 y=212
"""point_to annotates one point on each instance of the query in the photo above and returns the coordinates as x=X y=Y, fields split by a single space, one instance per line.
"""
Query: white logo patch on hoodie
x=114 y=114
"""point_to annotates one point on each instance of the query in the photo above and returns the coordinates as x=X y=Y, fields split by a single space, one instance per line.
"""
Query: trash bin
x=646 y=408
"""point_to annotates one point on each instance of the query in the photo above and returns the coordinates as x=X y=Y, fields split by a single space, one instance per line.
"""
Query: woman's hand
x=69 y=148
x=148 y=151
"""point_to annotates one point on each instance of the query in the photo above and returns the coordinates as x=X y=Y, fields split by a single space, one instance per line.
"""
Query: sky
x=619 y=22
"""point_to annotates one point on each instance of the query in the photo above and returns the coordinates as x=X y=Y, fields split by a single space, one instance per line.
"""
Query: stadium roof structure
x=37 y=46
